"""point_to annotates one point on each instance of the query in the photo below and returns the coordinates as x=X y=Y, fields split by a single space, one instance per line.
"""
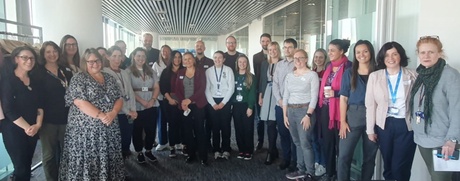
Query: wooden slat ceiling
x=186 y=17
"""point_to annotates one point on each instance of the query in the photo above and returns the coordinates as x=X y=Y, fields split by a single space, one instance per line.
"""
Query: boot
x=269 y=159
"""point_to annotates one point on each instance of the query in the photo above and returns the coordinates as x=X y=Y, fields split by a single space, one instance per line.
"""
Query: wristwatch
x=309 y=115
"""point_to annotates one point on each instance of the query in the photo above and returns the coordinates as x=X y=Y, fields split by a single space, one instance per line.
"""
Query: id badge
x=418 y=116
x=206 y=66
x=218 y=93
x=393 y=110
x=239 y=88
x=239 y=98
x=145 y=89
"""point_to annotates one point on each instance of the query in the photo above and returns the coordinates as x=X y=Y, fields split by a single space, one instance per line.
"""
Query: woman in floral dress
x=92 y=143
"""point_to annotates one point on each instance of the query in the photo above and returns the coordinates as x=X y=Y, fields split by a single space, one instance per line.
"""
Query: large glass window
x=302 y=20
x=187 y=43
x=114 y=32
x=242 y=40
x=351 y=19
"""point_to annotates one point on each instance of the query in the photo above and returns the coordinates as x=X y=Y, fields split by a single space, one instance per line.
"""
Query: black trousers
x=260 y=123
x=126 y=130
x=173 y=115
x=221 y=127
x=272 y=133
x=195 y=137
x=244 y=128
x=146 y=122
x=330 y=142
x=21 y=149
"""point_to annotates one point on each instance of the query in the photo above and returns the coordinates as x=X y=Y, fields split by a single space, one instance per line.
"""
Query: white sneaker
x=162 y=147
x=320 y=170
x=178 y=146
x=316 y=165
x=217 y=155
x=226 y=155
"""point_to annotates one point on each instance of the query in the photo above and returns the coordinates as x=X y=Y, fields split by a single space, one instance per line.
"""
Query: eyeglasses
x=91 y=62
x=299 y=58
x=71 y=44
x=432 y=36
x=25 y=58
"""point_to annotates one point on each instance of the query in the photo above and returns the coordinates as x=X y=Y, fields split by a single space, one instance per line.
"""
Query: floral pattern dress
x=92 y=150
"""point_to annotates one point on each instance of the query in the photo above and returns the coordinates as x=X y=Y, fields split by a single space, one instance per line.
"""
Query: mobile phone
x=453 y=157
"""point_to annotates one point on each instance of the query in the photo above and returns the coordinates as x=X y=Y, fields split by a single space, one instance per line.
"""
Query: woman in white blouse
x=220 y=84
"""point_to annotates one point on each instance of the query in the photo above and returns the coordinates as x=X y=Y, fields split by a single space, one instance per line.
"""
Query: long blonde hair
x=274 y=43
x=248 y=80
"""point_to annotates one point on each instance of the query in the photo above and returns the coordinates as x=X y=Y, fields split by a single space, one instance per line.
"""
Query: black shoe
x=125 y=154
x=292 y=168
x=140 y=158
x=190 y=159
x=259 y=146
x=283 y=165
x=307 y=177
x=204 y=162
x=269 y=159
x=172 y=154
x=150 y=156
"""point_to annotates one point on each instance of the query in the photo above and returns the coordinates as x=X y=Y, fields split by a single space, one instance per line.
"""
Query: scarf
x=334 y=102
x=429 y=77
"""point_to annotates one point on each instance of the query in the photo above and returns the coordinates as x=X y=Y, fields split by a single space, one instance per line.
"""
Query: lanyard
x=395 y=91
x=63 y=82
x=121 y=80
x=240 y=80
x=220 y=76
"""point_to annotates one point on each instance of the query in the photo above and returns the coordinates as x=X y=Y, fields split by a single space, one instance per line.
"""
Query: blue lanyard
x=393 y=92
x=220 y=76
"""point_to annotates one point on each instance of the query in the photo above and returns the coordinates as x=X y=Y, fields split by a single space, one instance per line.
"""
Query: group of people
x=88 y=110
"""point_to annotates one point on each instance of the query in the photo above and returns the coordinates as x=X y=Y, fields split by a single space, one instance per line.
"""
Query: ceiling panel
x=186 y=17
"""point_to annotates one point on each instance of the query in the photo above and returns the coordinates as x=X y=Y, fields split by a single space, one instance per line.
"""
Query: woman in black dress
x=22 y=109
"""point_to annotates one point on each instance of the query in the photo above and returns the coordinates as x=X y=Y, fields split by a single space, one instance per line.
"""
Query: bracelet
x=97 y=116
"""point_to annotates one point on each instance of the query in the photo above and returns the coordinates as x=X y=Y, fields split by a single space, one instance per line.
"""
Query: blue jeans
x=356 y=118
x=287 y=146
x=302 y=139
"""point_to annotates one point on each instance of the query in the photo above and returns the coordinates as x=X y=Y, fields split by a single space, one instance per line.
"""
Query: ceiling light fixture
x=311 y=4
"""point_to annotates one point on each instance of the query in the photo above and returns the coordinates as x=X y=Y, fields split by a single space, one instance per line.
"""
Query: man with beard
x=200 y=59
x=231 y=54
x=257 y=60
x=153 y=54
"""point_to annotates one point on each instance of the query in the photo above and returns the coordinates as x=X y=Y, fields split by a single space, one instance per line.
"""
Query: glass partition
x=302 y=20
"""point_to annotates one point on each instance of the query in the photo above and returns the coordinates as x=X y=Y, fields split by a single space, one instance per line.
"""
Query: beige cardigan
x=377 y=97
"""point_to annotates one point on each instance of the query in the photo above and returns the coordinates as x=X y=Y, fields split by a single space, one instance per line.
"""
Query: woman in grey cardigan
x=434 y=104
x=128 y=112
x=267 y=100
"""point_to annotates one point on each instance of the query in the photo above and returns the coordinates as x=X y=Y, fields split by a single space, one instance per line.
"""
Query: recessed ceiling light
x=311 y=4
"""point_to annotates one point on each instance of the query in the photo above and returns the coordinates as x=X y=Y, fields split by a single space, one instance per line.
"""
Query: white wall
x=82 y=19
x=441 y=18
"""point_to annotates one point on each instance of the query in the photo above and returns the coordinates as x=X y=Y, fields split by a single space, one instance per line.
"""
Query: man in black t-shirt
x=153 y=54
x=200 y=59
x=231 y=54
